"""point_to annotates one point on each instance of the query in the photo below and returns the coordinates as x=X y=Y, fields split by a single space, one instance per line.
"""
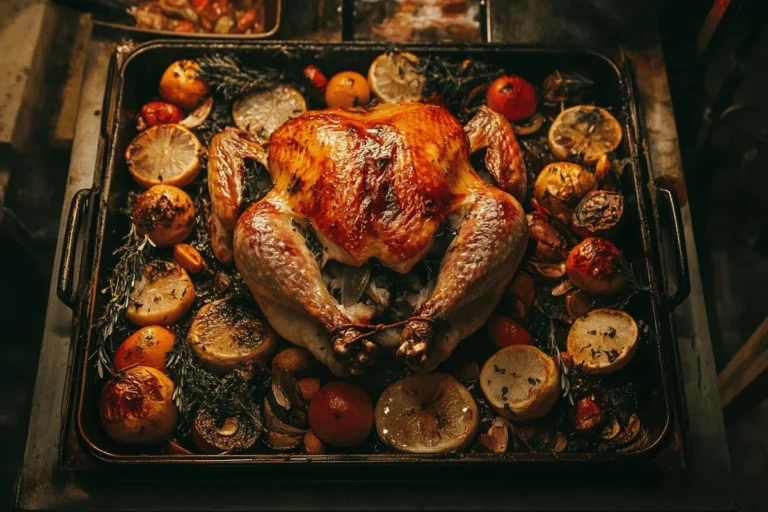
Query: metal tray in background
x=108 y=20
x=133 y=81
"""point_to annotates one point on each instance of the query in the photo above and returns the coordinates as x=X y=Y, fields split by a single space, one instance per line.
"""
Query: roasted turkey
x=375 y=183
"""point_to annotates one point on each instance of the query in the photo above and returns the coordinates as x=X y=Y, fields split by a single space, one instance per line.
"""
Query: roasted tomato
x=341 y=414
x=137 y=406
x=599 y=213
x=595 y=266
x=182 y=85
x=504 y=332
x=347 y=89
x=165 y=213
x=158 y=112
x=513 y=97
x=587 y=415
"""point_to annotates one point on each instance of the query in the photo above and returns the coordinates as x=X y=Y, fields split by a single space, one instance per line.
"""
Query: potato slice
x=603 y=341
x=520 y=382
x=431 y=413
x=226 y=333
x=162 y=295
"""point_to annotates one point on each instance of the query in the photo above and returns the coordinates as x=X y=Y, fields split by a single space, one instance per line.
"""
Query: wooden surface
x=744 y=369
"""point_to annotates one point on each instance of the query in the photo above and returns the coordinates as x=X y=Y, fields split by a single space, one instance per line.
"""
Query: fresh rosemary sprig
x=565 y=373
x=227 y=76
x=132 y=256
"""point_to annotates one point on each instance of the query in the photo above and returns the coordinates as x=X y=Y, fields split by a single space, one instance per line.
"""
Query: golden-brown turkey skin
x=374 y=184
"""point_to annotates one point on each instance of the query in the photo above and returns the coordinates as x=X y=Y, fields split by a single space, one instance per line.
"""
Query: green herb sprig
x=228 y=77
x=565 y=374
x=132 y=255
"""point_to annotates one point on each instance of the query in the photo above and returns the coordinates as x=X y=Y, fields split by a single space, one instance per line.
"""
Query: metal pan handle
x=67 y=266
x=681 y=255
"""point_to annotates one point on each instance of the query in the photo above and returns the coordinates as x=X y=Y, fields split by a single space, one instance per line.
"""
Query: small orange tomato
x=189 y=258
x=347 y=89
x=181 y=84
x=341 y=414
x=513 y=97
x=505 y=332
x=146 y=347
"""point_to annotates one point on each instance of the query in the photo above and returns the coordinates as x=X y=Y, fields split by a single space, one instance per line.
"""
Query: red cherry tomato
x=160 y=112
x=504 y=332
x=341 y=414
x=513 y=97
x=316 y=76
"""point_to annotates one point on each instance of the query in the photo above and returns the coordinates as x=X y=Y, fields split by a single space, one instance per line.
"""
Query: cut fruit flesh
x=162 y=295
x=520 y=382
x=584 y=130
x=603 y=341
x=431 y=413
x=394 y=77
x=225 y=334
x=263 y=112
x=164 y=154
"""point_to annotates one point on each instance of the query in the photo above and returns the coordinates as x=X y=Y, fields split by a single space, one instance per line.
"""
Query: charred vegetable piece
x=563 y=87
x=432 y=413
x=497 y=437
x=599 y=213
x=341 y=414
x=587 y=415
x=521 y=292
x=505 y=332
x=198 y=116
x=313 y=445
x=520 y=382
x=513 y=97
x=603 y=341
x=162 y=296
x=578 y=304
x=146 y=347
x=316 y=77
x=551 y=245
x=223 y=434
x=189 y=258
x=165 y=213
x=308 y=387
x=595 y=266
x=227 y=333
x=182 y=86
x=136 y=406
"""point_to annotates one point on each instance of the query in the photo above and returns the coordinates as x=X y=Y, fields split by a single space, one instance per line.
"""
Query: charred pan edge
x=103 y=180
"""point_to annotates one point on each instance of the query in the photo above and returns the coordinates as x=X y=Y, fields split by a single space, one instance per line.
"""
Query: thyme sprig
x=565 y=374
x=132 y=255
x=228 y=77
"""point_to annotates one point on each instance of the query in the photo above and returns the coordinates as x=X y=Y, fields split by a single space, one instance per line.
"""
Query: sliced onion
x=532 y=125
x=353 y=283
x=199 y=115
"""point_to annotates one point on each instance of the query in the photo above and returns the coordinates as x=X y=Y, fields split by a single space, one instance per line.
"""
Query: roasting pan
x=134 y=74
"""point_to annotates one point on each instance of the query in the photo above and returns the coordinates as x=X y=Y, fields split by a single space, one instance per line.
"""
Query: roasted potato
x=561 y=185
x=599 y=213
x=136 y=406
x=182 y=85
x=165 y=213
x=162 y=295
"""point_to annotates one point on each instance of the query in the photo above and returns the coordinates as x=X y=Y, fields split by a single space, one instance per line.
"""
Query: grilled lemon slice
x=520 y=382
x=394 y=77
x=603 y=341
x=263 y=112
x=431 y=413
x=584 y=130
x=166 y=154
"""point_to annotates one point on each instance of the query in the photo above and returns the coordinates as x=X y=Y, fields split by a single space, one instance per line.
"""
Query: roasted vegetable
x=146 y=347
x=347 y=89
x=587 y=415
x=136 y=406
x=162 y=295
x=505 y=332
x=182 y=86
x=166 y=214
x=600 y=213
x=341 y=414
x=158 y=112
x=513 y=97
x=603 y=341
x=560 y=186
x=215 y=434
x=595 y=266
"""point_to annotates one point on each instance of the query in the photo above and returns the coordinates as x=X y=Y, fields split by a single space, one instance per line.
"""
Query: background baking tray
x=133 y=82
